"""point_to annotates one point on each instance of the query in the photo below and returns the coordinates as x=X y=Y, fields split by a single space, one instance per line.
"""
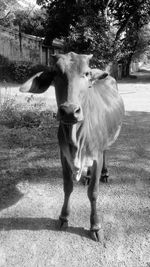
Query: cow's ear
x=88 y=58
x=97 y=74
x=39 y=83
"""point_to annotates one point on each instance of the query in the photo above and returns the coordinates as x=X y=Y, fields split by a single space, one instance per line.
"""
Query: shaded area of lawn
x=131 y=152
x=33 y=154
x=142 y=76
x=31 y=194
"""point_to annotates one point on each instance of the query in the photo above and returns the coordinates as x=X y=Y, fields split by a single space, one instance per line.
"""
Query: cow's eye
x=87 y=73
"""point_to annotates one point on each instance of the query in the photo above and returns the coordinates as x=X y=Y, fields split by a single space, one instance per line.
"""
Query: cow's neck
x=73 y=134
x=94 y=123
x=83 y=138
x=74 y=139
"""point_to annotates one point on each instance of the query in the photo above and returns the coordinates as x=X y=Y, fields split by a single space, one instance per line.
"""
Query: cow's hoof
x=95 y=236
x=63 y=223
x=98 y=236
x=104 y=177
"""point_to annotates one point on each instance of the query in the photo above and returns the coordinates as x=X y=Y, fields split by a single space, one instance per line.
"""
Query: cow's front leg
x=68 y=188
x=93 y=191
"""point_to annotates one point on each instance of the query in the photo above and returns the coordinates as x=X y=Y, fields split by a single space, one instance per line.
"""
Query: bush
x=12 y=116
x=18 y=71
x=21 y=71
x=24 y=128
x=3 y=60
x=25 y=125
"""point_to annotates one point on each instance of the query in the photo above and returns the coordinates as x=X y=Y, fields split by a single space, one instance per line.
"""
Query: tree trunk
x=20 y=39
x=128 y=63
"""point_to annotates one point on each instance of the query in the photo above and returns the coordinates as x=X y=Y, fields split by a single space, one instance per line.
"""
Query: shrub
x=21 y=71
x=25 y=128
x=18 y=71
x=13 y=116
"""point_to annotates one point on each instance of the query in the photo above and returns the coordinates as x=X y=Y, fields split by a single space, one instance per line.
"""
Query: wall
x=26 y=48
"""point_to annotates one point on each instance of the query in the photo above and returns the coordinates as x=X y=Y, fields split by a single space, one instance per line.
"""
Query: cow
x=90 y=114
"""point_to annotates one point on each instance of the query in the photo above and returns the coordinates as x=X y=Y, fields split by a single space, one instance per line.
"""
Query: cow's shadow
x=9 y=194
x=37 y=224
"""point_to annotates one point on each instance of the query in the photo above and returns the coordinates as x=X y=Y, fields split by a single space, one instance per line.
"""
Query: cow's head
x=72 y=77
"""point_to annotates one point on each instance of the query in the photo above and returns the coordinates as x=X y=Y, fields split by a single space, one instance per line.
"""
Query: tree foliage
x=110 y=29
x=7 y=9
x=60 y=17
x=7 y=6
x=31 y=21
x=91 y=35
x=129 y=28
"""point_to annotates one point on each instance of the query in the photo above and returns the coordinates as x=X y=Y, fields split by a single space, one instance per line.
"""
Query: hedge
x=13 y=71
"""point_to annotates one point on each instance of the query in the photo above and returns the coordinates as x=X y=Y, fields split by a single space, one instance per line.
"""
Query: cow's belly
x=113 y=138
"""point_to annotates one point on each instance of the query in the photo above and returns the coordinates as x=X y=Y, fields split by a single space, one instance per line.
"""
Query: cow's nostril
x=62 y=111
x=77 y=110
x=70 y=113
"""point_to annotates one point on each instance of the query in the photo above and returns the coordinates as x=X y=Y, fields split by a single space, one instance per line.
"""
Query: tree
x=13 y=12
x=91 y=34
x=7 y=8
x=60 y=17
x=129 y=25
x=134 y=46
x=31 y=21
x=126 y=11
x=143 y=45
x=108 y=28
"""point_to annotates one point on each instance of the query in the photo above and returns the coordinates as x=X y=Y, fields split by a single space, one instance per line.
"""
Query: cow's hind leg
x=68 y=188
x=104 y=172
x=87 y=177
x=93 y=190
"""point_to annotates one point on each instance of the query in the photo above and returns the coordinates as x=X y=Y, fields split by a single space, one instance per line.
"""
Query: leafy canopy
x=110 y=29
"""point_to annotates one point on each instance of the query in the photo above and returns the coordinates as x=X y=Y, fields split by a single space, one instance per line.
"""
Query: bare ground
x=31 y=194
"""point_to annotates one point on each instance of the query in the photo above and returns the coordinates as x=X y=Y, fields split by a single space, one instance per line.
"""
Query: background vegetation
x=112 y=30
x=18 y=72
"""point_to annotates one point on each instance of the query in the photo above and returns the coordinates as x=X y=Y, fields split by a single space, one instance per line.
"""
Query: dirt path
x=136 y=92
x=31 y=196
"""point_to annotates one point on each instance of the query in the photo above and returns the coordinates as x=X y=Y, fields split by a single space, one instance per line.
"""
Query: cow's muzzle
x=70 y=113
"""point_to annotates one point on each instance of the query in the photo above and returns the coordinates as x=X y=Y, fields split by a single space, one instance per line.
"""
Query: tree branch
x=5 y=17
x=106 y=7
x=124 y=25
